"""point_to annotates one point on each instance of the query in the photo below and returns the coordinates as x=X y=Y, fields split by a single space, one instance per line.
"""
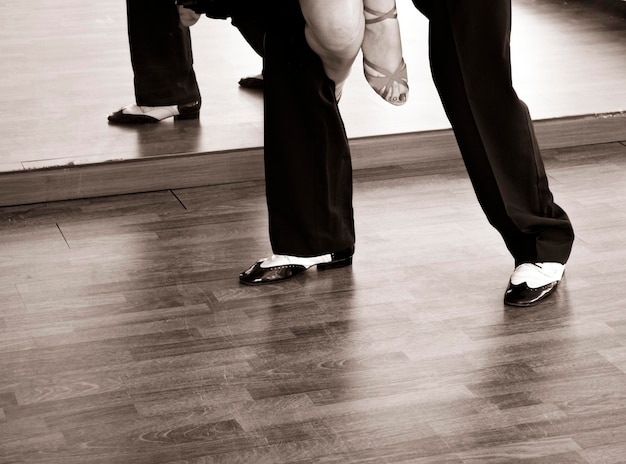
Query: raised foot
x=383 y=64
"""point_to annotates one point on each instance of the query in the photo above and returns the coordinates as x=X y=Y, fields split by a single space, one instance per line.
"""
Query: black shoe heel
x=335 y=264
x=188 y=111
x=187 y=116
x=339 y=259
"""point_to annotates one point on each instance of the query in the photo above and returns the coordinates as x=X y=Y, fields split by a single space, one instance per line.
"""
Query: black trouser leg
x=160 y=50
x=252 y=30
x=307 y=158
x=469 y=49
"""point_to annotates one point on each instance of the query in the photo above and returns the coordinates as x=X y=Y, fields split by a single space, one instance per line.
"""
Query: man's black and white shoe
x=277 y=268
x=135 y=114
x=531 y=283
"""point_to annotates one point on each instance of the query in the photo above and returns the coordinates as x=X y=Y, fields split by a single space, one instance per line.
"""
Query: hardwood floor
x=126 y=338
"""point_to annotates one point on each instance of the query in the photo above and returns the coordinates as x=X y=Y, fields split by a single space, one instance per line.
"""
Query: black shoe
x=134 y=114
x=291 y=266
x=531 y=283
x=252 y=82
x=522 y=295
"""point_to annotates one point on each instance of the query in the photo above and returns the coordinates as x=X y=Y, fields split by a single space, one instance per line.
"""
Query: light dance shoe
x=134 y=114
x=277 y=268
x=531 y=283
x=391 y=85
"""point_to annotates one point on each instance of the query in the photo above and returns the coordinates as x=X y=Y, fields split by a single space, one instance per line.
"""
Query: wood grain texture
x=125 y=336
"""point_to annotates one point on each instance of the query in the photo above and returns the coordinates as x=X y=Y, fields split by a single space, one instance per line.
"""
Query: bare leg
x=334 y=30
x=187 y=17
x=382 y=51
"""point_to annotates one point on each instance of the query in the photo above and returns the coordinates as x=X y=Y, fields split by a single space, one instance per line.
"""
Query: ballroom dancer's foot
x=252 y=82
x=531 y=283
x=134 y=114
x=383 y=64
x=277 y=268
